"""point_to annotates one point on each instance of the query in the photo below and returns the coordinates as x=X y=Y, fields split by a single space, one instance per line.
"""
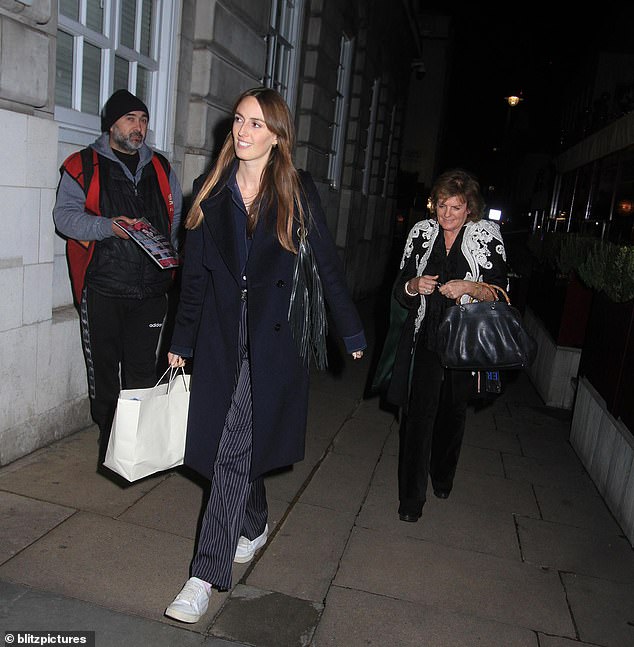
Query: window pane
x=282 y=71
x=146 y=27
x=64 y=70
x=90 y=77
x=275 y=8
x=622 y=229
x=121 y=73
x=282 y=47
x=94 y=15
x=143 y=84
x=286 y=22
x=69 y=8
x=128 y=11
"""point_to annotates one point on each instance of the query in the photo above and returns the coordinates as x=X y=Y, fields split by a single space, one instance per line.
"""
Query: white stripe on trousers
x=236 y=506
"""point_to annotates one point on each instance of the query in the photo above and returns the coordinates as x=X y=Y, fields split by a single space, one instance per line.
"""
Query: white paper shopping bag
x=149 y=428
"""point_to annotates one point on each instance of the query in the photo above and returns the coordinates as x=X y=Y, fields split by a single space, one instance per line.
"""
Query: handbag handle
x=495 y=290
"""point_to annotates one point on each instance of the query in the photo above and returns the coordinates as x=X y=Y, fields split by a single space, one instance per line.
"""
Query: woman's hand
x=357 y=354
x=425 y=284
x=175 y=361
x=456 y=289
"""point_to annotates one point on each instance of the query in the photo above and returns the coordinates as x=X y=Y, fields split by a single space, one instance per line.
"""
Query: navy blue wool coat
x=207 y=326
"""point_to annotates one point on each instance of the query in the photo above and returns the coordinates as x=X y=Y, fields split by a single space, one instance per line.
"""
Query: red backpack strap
x=83 y=167
x=162 y=167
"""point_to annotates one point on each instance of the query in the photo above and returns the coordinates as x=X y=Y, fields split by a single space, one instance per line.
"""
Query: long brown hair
x=279 y=183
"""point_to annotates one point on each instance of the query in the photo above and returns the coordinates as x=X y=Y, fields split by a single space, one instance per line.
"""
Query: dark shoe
x=411 y=518
x=442 y=494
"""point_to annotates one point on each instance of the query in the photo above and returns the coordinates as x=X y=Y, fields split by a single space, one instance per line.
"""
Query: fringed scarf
x=307 y=309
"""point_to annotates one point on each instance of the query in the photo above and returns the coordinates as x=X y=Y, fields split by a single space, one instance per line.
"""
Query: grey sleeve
x=70 y=217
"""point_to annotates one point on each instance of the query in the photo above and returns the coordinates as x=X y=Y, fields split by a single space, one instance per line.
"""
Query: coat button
x=280 y=283
x=277 y=327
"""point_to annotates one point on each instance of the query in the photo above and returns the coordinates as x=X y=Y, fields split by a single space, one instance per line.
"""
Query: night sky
x=529 y=53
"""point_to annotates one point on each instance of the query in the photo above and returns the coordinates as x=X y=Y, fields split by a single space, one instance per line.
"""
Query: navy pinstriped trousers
x=236 y=505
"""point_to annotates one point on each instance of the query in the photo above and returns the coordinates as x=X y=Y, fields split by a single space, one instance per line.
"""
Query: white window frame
x=388 y=154
x=369 y=146
x=283 y=48
x=80 y=128
x=342 y=101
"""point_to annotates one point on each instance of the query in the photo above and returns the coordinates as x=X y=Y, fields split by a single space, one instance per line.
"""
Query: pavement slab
x=362 y=438
x=324 y=422
x=174 y=505
x=490 y=437
x=556 y=641
x=340 y=483
x=370 y=410
x=478 y=459
x=107 y=562
x=573 y=507
x=357 y=619
x=391 y=442
x=455 y=580
x=469 y=527
x=548 y=471
x=535 y=412
x=26 y=609
x=24 y=520
x=302 y=559
x=539 y=440
x=603 y=611
x=488 y=491
x=267 y=618
x=576 y=550
x=66 y=474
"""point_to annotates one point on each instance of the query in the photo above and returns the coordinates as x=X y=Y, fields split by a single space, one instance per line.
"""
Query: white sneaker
x=247 y=547
x=191 y=603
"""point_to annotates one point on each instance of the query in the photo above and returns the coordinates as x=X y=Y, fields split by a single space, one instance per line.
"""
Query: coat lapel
x=221 y=226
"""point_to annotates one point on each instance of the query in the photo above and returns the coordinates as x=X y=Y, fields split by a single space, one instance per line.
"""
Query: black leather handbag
x=485 y=335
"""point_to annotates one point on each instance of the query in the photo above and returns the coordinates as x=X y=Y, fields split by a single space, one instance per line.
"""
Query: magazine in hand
x=152 y=242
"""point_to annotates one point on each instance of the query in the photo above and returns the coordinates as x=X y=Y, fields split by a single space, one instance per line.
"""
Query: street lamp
x=512 y=100
x=506 y=160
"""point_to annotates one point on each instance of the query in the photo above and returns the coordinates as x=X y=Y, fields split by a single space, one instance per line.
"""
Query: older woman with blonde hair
x=251 y=216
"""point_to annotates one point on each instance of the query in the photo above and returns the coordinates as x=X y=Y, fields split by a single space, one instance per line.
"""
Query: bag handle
x=496 y=290
x=174 y=372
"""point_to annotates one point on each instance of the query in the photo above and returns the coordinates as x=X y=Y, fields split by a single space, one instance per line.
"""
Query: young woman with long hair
x=249 y=396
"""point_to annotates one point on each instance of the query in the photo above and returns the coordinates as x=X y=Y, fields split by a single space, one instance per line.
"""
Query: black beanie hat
x=119 y=104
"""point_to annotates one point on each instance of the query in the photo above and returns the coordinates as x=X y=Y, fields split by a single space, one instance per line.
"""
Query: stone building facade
x=343 y=65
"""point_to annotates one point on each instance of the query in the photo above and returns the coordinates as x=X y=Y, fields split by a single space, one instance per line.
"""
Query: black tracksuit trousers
x=120 y=337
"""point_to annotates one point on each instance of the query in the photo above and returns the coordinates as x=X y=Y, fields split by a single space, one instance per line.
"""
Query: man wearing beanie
x=118 y=289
